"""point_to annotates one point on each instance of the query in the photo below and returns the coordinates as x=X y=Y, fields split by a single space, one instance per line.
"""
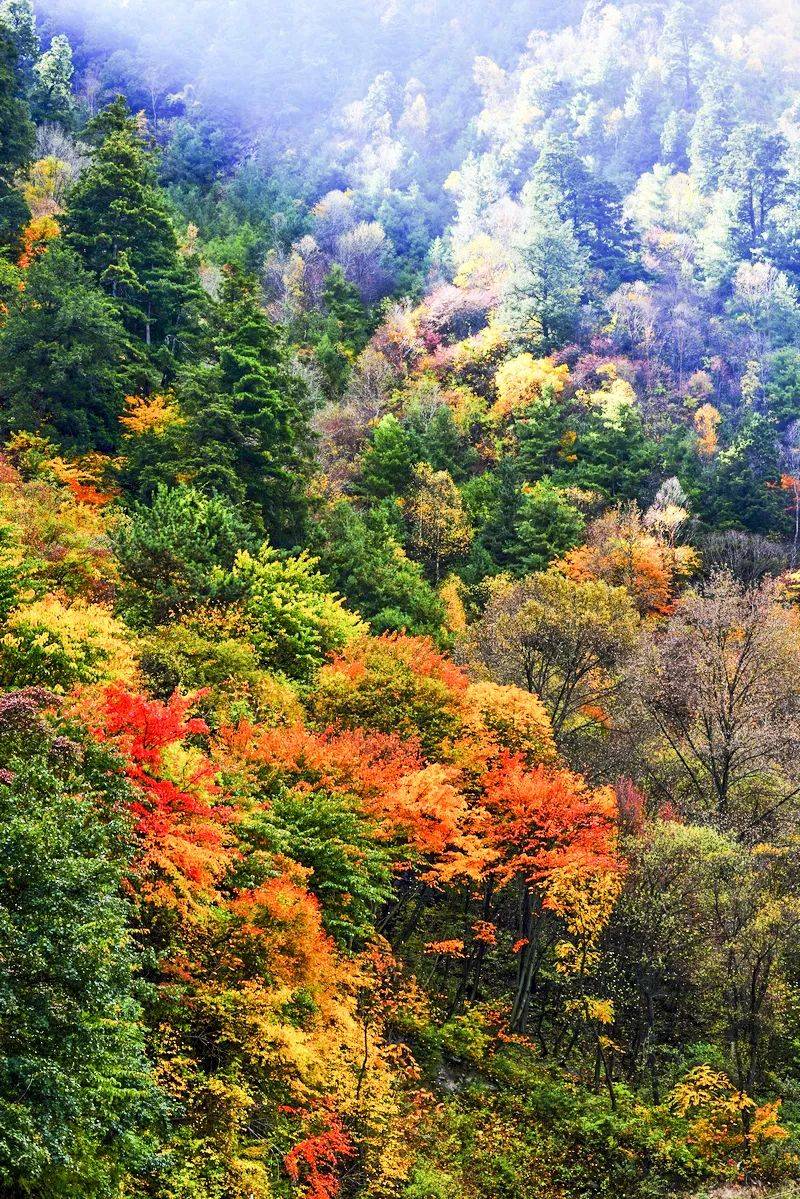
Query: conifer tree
x=246 y=434
x=16 y=140
x=66 y=362
x=119 y=224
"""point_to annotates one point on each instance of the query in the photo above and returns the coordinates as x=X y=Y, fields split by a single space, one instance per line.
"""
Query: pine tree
x=16 y=141
x=119 y=224
x=247 y=432
x=19 y=19
x=51 y=95
x=65 y=359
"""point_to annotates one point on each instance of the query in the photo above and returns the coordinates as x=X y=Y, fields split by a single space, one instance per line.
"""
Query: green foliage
x=745 y=493
x=614 y=457
x=547 y=526
x=119 y=224
x=168 y=550
x=292 y=617
x=16 y=139
x=783 y=384
x=326 y=833
x=76 y=1095
x=246 y=432
x=51 y=95
x=365 y=562
x=389 y=460
x=543 y=296
x=65 y=359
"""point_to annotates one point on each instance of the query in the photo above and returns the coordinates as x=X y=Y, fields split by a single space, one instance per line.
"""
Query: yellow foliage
x=613 y=400
x=585 y=903
x=451 y=593
x=509 y=718
x=149 y=414
x=46 y=185
x=522 y=380
x=60 y=646
x=480 y=262
x=487 y=345
x=62 y=542
x=722 y=1118
x=706 y=420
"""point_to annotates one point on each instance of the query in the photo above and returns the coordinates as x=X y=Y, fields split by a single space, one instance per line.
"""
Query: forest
x=399 y=599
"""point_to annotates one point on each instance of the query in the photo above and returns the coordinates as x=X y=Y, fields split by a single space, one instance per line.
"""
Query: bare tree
x=718 y=686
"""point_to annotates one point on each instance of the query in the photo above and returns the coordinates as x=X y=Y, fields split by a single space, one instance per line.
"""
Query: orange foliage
x=35 y=236
x=393 y=684
x=277 y=931
x=149 y=414
x=546 y=819
x=316 y=1160
x=621 y=552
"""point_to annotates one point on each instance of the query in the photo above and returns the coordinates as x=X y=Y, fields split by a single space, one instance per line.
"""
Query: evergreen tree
x=75 y=1086
x=247 y=433
x=547 y=526
x=388 y=461
x=745 y=493
x=593 y=206
x=614 y=457
x=65 y=360
x=545 y=439
x=168 y=550
x=366 y=564
x=119 y=224
x=17 y=135
x=342 y=302
x=51 y=95
x=19 y=19
x=343 y=331
x=542 y=299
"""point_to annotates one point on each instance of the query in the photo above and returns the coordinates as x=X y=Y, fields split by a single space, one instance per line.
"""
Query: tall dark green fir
x=119 y=224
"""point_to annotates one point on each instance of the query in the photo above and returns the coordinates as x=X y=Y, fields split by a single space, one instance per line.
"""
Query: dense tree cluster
x=399 y=585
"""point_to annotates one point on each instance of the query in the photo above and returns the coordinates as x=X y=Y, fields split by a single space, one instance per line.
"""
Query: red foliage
x=179 y=824
x=316 y=1160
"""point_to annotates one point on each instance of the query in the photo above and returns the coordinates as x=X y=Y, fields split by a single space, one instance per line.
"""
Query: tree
x=545 y=823
x=754 y=168
x=542 y=299
x=293 y=620
x=76 y=1092
x=327 y=834
x=119 y=224
x=51 y=97
x=720 y=689
x=66 y=360
x=246 y=430
x=392 y=684
x=365 y=562
x=783 y=385
x=547 y=526
x=388 y=460
x=567 y=642
x=168 y=549
x=592 y=205
x=16 y=141
x=344 y=331
x=624 y=549
x=438 y=529
x=746 y=492
x=612 y=455
x=19 y=19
